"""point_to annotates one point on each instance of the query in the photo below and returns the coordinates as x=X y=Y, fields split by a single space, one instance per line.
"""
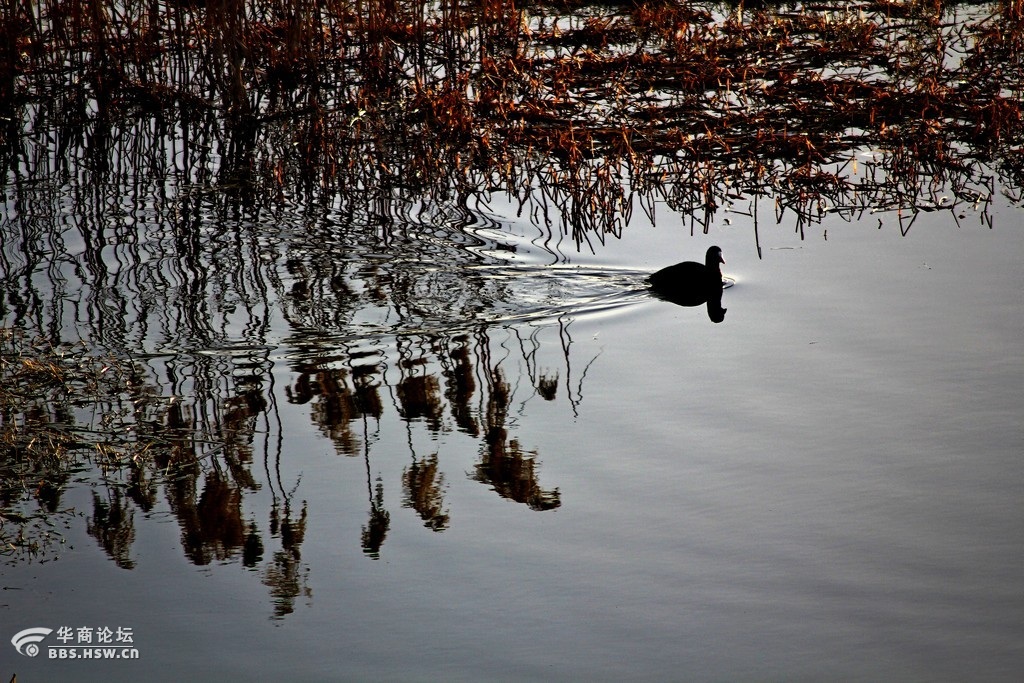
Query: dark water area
x=322 y=382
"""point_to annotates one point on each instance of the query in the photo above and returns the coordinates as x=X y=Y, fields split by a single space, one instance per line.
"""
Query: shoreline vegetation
x=577 y=111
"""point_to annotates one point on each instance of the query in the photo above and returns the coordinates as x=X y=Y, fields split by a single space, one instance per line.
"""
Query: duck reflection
x=691 y=284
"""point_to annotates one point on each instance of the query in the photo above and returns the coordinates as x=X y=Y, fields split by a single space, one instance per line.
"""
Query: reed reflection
x=171 y=200
x=140 y=448
x=285 y=575
x=112 y=525
x=342 y=399
x=433 y=385
x=423 y=485
x=504 y=465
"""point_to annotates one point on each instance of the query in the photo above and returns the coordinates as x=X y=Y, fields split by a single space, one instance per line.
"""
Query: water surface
x=336 y=359
x=517 y=465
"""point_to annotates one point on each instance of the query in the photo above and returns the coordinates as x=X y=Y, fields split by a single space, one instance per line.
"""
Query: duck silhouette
x=691 y=284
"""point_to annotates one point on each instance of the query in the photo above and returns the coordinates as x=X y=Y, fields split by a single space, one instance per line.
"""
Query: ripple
x=501 y=295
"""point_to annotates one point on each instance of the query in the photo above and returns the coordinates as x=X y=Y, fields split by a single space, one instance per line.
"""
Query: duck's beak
x=721 y=258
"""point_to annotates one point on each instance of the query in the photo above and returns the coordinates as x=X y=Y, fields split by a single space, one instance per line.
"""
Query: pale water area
x=581 y=482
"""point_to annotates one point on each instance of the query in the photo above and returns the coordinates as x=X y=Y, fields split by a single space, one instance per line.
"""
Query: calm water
x=475 y=464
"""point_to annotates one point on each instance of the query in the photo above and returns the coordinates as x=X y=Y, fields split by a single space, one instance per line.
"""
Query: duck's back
x=685 y=275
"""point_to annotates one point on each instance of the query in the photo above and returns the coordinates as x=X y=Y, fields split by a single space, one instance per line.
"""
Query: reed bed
x=579 y=110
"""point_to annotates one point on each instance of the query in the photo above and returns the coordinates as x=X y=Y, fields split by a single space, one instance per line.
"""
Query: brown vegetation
x=575 y=108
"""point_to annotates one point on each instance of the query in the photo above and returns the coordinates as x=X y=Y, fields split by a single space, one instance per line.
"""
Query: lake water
x=464 y=462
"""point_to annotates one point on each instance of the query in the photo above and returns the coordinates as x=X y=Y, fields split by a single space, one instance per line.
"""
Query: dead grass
x=580 y=106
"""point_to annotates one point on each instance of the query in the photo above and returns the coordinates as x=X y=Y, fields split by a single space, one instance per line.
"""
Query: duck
x=689 y=280
x=691 y=284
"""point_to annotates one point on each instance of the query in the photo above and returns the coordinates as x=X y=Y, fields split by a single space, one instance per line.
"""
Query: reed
x=588 y=104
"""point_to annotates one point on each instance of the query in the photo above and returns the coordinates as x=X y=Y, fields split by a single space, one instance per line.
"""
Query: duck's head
x=713 y=257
